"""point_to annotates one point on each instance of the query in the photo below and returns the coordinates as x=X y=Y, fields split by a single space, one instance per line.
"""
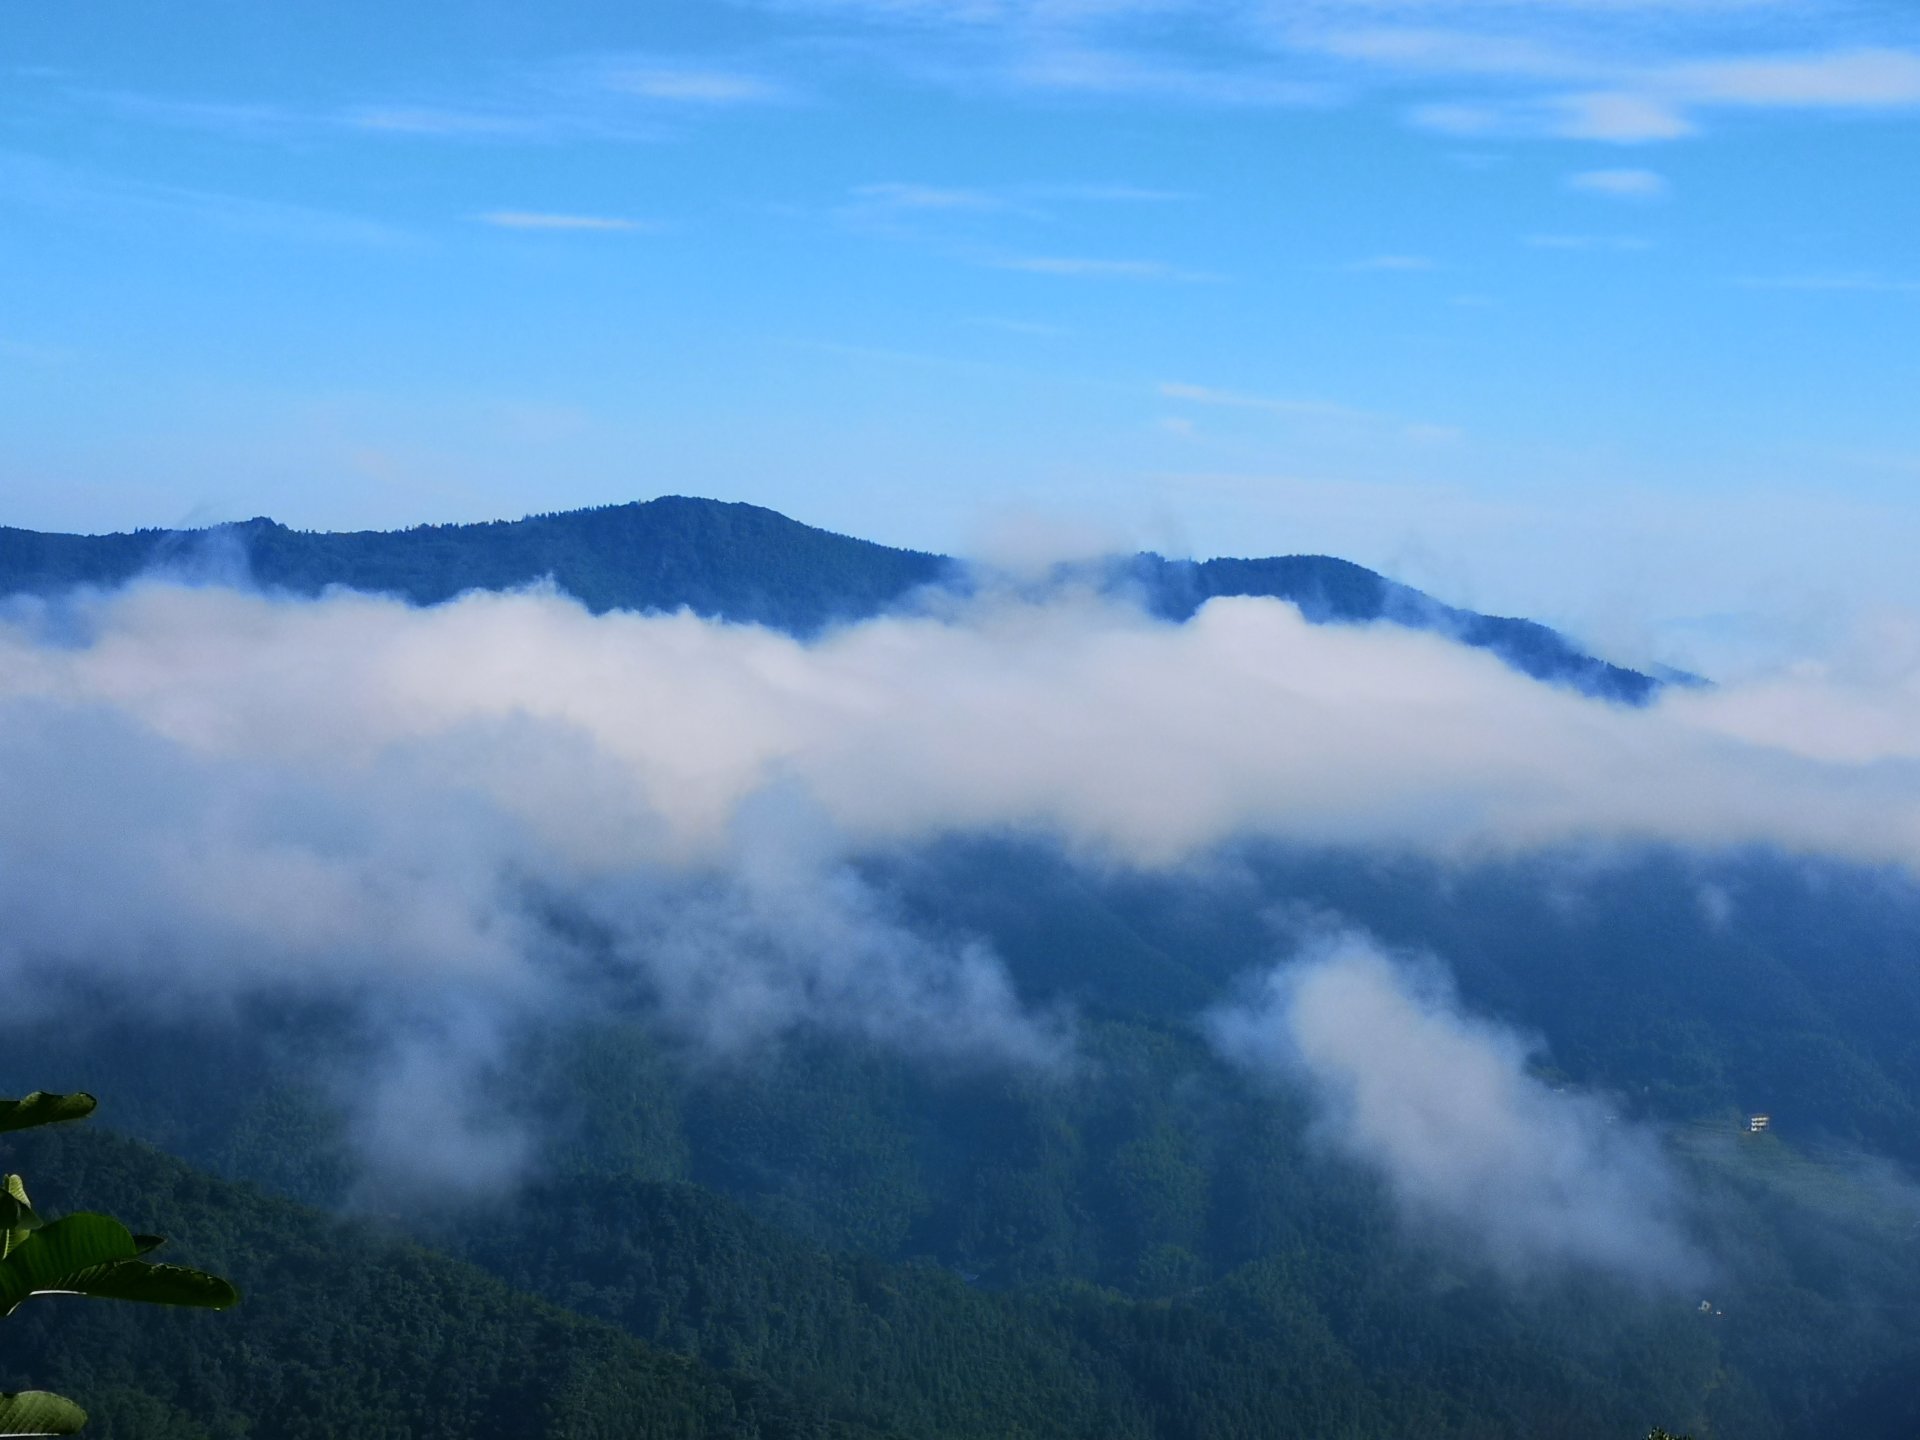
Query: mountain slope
x=344 y=1331
x=741 y=562
x=736 y=561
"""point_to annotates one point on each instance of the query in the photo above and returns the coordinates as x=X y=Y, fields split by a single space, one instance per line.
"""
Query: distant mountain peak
x=737 y=561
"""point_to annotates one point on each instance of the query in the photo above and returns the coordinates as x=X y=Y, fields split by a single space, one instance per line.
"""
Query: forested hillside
x=583 y=1026
x=740 y=562
x=1150 y=1245
x=347 y=1328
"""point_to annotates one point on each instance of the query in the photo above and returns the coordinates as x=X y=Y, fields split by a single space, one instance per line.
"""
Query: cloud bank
x=1440 y=1104
x=506 y=806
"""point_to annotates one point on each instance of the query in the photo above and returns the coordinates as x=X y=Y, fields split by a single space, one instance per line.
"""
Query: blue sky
x=1606 y=311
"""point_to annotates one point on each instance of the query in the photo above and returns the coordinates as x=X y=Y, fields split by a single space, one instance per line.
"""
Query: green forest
x=829 y=1235
x=837 y=1240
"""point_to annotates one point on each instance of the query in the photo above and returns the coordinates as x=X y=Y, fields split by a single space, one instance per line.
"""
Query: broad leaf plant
x=80 y=1254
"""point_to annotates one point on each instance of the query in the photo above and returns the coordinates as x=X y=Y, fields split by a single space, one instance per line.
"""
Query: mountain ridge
x=735 y=561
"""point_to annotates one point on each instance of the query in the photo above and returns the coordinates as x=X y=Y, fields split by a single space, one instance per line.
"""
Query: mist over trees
x=999 y=1009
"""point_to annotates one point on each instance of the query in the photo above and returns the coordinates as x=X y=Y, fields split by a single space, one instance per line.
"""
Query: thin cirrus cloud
x=1859 y=283
x=1158 y=76
x=600 y=96
x=1637 y=106
x=1391 y=264
x=1619 y=184
x=689 y=85
x=549 y=220
x=1851 y=79
x=1584 y=69
x=1615 y=244
x=443 y=122
x=946 y=214
x=1622 y=117
x=1081 y=267
x=1297 y=408
x=54 y=187
x=901 y=195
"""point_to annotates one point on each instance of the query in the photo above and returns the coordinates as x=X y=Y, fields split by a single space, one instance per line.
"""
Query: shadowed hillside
x=741 y=562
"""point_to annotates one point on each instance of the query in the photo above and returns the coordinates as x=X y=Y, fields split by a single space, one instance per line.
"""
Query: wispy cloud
x=1104 y=194
x=1619 y=184
x=618 y=96
x=1617 y=244
x=241 y=119
x=1089 y=268
x=1616 y=117
x=898 y=195
x=1299 y=408
x=1599 y=71
x=1157 y=76
x=1272 y=405
x=684 y=84
x=1022 y=196
x=956 y=218
x=1620 y=116
x=29 y=353
x=50 y=186
x=1039 y=329
x=1402 y=264
x=1446 y=52
x=1439 y=1102
x=1845 y=79
x=546 y=220
x=1604 y=70
x=438 y=121
x=1858 y=283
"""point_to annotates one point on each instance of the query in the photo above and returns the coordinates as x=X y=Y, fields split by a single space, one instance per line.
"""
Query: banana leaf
x=40 y=1108
x=36 y=1412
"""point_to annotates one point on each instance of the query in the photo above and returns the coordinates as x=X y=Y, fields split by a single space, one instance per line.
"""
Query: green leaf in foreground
x=17 y=1219
x=37 y=1412
x=40 y=1108
x=96 y=1255
x=153 y=1285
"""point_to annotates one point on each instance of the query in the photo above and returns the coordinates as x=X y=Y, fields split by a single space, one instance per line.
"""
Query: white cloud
x=903 y=196
x=1422 y=432
x=1156 y=76
x=548 y=220
x=1455 y=118
x=1623 y=71
x=49 y=185
x=214 y=795
x=688 y=85
x=1441 y=1105
x=1089 y=268
x=1450 y=52
x=1619 y=184
x=1618 y=116
x=1108 y=193
x=437 y=121
x=1272 y=404
x=1619 y=244
x=1850 y=79
x=1859 y=282
x=1038 y=329
x=1002 y=714
x=1391 y=263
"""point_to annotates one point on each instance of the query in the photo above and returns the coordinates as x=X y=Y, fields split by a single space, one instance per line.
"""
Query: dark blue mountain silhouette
x=743 y=563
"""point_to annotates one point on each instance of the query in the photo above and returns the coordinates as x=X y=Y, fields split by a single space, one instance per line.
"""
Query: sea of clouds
x=218 y=797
